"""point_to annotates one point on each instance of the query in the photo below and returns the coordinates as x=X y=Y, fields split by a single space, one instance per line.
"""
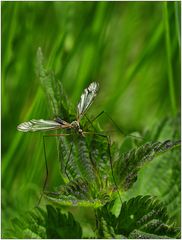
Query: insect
x=86 y=100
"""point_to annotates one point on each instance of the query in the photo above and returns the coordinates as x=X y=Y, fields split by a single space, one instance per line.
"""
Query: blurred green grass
x=131 y=48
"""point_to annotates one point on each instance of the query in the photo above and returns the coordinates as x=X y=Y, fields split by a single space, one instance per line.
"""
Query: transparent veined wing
x=42 y=125
x=86 y=99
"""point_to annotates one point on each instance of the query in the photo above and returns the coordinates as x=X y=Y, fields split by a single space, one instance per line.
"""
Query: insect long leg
x=66 y=165
x=100 y=114
x=110 y=158
x=47 y=172
x=114 y=123
x=46 y=164
x=97 y=116
x=90 y=123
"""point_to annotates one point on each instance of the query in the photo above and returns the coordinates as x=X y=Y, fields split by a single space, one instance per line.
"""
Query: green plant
x=133 y=50
x=97 y=174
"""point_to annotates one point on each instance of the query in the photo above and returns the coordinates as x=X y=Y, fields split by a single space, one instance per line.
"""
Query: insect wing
x=86 y=99
x=40 y=125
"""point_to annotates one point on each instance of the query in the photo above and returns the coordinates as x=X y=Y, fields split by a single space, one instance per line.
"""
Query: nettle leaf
x=138 y=212
x=52 y=88
x=76 y=192
x=86 y=167
x=59 y=225
x=42 y=224
x=105 y=230
x=105 y=220
x=162 y=177
x=137 y=234
x=71 y=163
x=129 y=163
x=89 y=158
x=140 y=217
x=30 y=225
x=91 y=182
x=67 y=158
x=84 y=162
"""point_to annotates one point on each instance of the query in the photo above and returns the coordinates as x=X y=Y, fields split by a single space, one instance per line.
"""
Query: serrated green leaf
x=79 y=53
x=159 y=227
x=87 y=171
x=138 y=211
x=58 y=225
x=105 y=230
x=162 y=177
x=39 y=224
x=53 y=88
x=75 y=190
x=142 y=213
x=137 y=234
x=127 y=166
x=74 y=202
x=28 y=234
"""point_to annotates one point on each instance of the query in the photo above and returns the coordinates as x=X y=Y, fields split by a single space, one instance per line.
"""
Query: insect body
x=42 y=125
x=85 y=102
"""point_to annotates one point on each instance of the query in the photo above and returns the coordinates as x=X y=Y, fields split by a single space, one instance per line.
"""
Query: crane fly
x=85 y=102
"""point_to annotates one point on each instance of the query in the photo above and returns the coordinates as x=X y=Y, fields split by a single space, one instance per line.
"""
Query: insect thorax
x=75 y=125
